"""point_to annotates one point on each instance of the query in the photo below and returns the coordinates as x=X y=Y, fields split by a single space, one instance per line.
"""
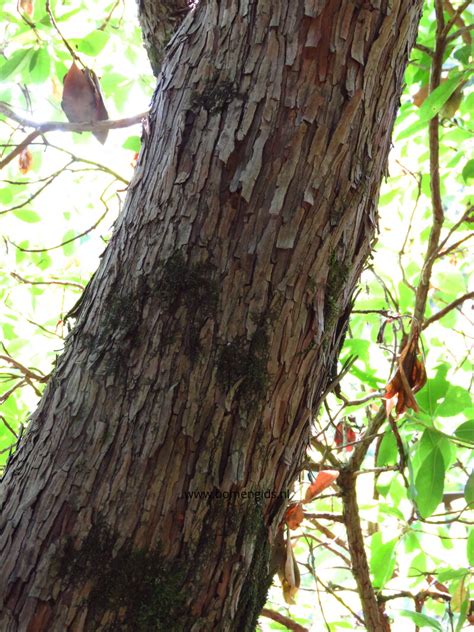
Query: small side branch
x=456 y=303
x=57 y=126
x=283 y=620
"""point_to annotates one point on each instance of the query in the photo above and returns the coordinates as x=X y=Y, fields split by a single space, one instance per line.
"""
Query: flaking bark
x=207 y=336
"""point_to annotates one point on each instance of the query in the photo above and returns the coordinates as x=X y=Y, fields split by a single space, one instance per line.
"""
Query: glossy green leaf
x=429 y=483
x=133 y=143
x=431 y=439
x=388 y=450
x=470 y=547
x=39 y=66
x=468 y=171
x=422 y=620
x=435 y=101
x=469 y=490
x=465 y=431
x=92 y=44
x=27 y=215
x=9 y=68
x=382 y=559
x=446 y=574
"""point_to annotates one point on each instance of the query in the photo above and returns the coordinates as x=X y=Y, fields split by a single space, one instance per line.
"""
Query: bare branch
x=435 y=181
x=58 y=126
x=159 y=20
x=17 y=277
x=373 y=616
x=459 y=301
x=283 y=620
x=24 y=370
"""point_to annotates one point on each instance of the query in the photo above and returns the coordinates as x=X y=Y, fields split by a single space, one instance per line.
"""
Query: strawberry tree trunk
x=211 y=328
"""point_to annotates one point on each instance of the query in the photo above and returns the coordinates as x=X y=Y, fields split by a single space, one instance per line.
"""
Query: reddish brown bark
x=210 y=329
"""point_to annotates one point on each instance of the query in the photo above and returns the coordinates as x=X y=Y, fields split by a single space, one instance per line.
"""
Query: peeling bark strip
x=206 y=337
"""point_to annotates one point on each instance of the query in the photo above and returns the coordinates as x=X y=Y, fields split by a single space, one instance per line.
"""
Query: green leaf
x=462 y=54
x=388 y=450
x=431 y=439
x=133 y=143
x=422 y=620
x=411 y=541
x=91 y=44
x=456 y=401
x=382 y=559
x=451 y=573
x=429 y=483
x=367 y=378
x=440 y=398
x=14 y=63
x=465 y=431
x=26 y=215
x=42 y=260
x=468 y=171
x=434 y=390
x=470 y=547
x=469 y=490
x=68 y=248
x=39 y=66
x=435 y=101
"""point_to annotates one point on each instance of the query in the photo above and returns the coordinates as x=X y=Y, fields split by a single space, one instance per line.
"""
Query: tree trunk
x=211 y=328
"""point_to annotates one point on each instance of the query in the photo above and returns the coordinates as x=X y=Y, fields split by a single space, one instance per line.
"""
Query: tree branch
x=159 y=19
x=283 y=620
x=373 y=617
x=23 y=369
x=435 y=181
x=58 y=126
x=448 y=308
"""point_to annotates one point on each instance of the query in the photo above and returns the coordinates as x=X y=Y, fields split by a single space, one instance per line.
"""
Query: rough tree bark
x=210 y=329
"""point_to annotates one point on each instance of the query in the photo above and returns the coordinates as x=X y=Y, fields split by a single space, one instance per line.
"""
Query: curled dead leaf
x=324 y=479
x=294 y=515
x=82 y=100
x=344 y=435
x=25 y=160
x=291 y=579
x=409 y=378
x=27 y=7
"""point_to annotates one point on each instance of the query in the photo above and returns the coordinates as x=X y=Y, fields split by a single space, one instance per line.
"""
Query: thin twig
x=65 y=283
x=459 y=301
x=58 y=126
x=283 y=620
x=23 y=369
x=64 y=243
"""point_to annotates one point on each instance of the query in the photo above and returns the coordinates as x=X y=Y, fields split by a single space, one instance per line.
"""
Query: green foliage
x=52 y=212
x=56 y=217
x=422 y=620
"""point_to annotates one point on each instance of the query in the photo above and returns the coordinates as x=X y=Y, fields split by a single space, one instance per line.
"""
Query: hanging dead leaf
x=324 y=479
x=409 y=378
x=25 y=160
x=82 y=100
x=344 y=435
x=27 y=7
x=294 y=516
x=291 y=579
